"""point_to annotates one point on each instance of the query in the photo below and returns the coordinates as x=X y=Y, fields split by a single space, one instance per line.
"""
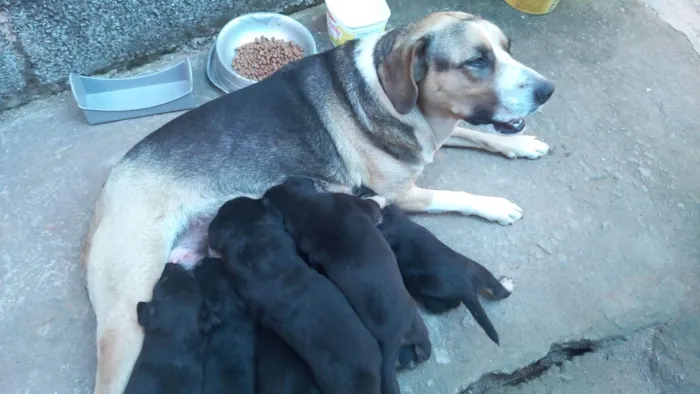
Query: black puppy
x=173 y=321
x=280 y=369
x=284 y=294
x=338 y=232
x=436 y=276
x=229 y=361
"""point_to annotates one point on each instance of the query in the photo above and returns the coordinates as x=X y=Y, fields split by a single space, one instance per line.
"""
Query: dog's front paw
x=527 y=146
x=497 y=209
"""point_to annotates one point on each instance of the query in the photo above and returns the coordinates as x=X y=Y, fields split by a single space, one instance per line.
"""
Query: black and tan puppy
x=173 y=321
x=338 y=232
x=300 y=305
x=436 y=276
x=229 y=362
x=280 y=369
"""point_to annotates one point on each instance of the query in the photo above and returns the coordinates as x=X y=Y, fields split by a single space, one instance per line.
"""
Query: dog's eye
x=478 y=62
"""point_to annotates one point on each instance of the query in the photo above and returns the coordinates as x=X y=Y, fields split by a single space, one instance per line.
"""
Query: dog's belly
x=191 y=246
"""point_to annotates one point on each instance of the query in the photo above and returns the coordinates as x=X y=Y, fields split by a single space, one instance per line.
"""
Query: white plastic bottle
x=352 y=19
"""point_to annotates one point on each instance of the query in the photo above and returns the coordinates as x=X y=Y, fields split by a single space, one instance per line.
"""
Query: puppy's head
x=176 y=306
x=236 y=218
x=285 y=199
x=175 y=283
x=457 y=66
x=299 y=184
x=293 y=188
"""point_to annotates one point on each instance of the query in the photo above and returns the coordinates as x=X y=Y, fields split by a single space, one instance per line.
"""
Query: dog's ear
x=208 y=321
x=400 y=73
x=145 y=311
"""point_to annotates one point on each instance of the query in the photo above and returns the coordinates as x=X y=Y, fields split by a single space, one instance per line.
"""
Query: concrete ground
x=658 y=360
x=605 y=260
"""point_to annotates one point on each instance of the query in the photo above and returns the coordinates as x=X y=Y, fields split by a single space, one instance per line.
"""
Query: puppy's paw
x=507 y=283
x=527 y=146
x=407 y=359
x=497 y=209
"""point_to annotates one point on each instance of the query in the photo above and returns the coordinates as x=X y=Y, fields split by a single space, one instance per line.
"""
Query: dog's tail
x=471 y=301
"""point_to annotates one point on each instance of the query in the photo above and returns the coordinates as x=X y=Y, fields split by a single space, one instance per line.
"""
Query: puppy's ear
x=215 y=236
x=271 y=209
x=400 y=72
x=208 y=321
x=373 y=208
x=145 y=311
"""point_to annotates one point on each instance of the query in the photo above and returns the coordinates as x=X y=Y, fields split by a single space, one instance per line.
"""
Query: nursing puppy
x=174 y=320
x=300 y=305
x=229 y=364
x=280 y=369
x=437 y=276
x=338 y=233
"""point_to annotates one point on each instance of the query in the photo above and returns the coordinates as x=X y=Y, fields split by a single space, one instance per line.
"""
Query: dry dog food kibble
x=259 y=59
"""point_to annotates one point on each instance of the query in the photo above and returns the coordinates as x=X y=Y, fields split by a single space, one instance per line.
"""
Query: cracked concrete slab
x=608 y=243
x=683 y=16
x=656 y=360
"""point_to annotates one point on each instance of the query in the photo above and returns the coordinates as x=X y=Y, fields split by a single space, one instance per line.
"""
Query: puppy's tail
x=474 y=306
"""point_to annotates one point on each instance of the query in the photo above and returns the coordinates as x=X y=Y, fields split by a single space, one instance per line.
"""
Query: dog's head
x=457 y=66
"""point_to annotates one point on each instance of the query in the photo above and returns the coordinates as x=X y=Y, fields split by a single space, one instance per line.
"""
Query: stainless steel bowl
x=245 y=29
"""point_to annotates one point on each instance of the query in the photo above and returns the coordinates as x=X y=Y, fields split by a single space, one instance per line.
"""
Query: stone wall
x=42 y=41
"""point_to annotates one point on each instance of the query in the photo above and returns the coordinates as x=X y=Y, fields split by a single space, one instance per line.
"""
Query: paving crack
x=557 y=355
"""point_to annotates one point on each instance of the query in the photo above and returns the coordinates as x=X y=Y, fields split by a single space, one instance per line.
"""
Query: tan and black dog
x=372 y=112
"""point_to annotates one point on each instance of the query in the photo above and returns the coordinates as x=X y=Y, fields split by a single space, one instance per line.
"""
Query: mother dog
x=372 y=112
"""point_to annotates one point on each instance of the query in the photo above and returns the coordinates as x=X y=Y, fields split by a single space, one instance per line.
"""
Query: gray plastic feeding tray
x=110 y=99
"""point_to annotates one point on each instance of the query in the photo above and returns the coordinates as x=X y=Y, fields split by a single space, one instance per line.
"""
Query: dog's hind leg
x=126 y=258
x=510 y=146
x=128 y=248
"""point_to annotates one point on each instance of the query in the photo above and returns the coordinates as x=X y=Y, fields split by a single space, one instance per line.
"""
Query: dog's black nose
x=543 y=91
